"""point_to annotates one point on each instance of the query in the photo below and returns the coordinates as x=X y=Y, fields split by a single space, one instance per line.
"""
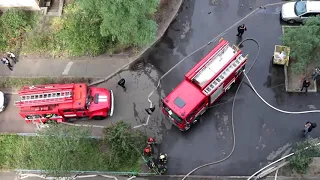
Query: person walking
x=7 y=62
x=315 y=74
x=241 y=29
x=305 y=85
x=308 y=127
x=12 y=56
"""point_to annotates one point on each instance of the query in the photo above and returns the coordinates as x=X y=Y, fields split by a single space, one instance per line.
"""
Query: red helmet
x=150 y=139
x=147 y=149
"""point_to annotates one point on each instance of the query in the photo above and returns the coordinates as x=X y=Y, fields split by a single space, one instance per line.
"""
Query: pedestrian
x=308 y=127
x=305 y=85
x=241 y=29
x=12 y=56
x=7 y=62
x=315 y=74
x=122 y=84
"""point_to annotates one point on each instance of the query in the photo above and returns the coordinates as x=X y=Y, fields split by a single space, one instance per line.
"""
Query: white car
x=292 y=12
x=3 y=101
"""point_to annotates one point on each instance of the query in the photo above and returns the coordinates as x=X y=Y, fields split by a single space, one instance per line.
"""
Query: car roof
x=184 y=98
x=313 y=6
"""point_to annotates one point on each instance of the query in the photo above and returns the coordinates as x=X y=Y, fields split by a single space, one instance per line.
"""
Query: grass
x=19 y=82
x=59 y=154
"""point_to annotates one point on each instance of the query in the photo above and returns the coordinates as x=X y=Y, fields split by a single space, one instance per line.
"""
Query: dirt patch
x=294 y=81
x=312 y=171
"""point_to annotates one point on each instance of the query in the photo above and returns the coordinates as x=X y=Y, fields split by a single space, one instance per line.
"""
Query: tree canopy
x=303 y=157
x=304 y=42
x=92 y=26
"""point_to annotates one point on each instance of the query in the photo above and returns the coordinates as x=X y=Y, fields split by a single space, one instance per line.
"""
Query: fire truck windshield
x=172 y=114
x=89 y=98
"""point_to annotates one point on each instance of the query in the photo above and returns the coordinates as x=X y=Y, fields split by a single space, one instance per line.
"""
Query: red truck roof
x=213 y=64
x=184 y=92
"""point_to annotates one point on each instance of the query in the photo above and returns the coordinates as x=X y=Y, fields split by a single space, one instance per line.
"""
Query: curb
x=167 y=24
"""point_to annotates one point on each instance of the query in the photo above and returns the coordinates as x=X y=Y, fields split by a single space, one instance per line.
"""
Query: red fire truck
x=63 y=102
x=204 y=84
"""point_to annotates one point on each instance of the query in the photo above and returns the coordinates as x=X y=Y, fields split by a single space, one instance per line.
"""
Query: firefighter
x=151 y=141
x=305 y=85
x=151 y=164
x=163 y=158
x=147 y=150
x=241 y=29
x=162 y=168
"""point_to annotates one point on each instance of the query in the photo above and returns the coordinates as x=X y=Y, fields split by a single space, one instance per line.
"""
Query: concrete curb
x=179 y=177
x=167 y=24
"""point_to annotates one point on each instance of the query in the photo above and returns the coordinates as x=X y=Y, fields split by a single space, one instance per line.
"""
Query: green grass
x=19 y=82
x=59 y=154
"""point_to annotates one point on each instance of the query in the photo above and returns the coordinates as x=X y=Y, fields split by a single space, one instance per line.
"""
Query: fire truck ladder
x=226 y=73
x=44 y=98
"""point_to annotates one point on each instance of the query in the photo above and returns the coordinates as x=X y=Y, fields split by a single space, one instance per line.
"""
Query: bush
x=60 y=149
x=303 y=157
x=125 y=145
x=78 y=32
x=14 y=23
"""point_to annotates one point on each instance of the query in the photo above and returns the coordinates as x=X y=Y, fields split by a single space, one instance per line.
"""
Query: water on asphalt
x=262 y=134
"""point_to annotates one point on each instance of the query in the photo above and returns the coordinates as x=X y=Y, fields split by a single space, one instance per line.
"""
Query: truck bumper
x=112 y=104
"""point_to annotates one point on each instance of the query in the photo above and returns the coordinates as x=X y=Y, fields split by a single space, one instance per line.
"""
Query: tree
x=78 y=32
x=93 y=26
x=303 y=157
x=125 y=21
x=304 y=42
x=125 y=145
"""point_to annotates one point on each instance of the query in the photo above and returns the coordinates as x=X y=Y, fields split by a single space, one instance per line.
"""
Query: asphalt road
x=262 y=134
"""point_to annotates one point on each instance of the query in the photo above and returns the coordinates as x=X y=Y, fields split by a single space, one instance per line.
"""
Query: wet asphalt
x=262 y=134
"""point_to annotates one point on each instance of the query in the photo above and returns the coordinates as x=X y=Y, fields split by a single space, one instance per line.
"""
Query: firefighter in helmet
x=163 y=158
x=151 y=141
x=147 y=151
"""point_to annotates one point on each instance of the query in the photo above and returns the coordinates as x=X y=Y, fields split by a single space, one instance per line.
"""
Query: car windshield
x=300 y=8
x=89 y=98
x=172 y=114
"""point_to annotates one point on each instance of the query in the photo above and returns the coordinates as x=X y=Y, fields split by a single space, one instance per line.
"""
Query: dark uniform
x=241 y=29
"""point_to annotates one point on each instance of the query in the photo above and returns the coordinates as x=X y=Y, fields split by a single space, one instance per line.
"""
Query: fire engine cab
x=204 y=84
x=61 y=102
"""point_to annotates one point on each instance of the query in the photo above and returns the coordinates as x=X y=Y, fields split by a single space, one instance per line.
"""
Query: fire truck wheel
x=98 y=117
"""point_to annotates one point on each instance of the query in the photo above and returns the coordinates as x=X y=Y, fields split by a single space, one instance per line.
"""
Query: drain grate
x=138 y=65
